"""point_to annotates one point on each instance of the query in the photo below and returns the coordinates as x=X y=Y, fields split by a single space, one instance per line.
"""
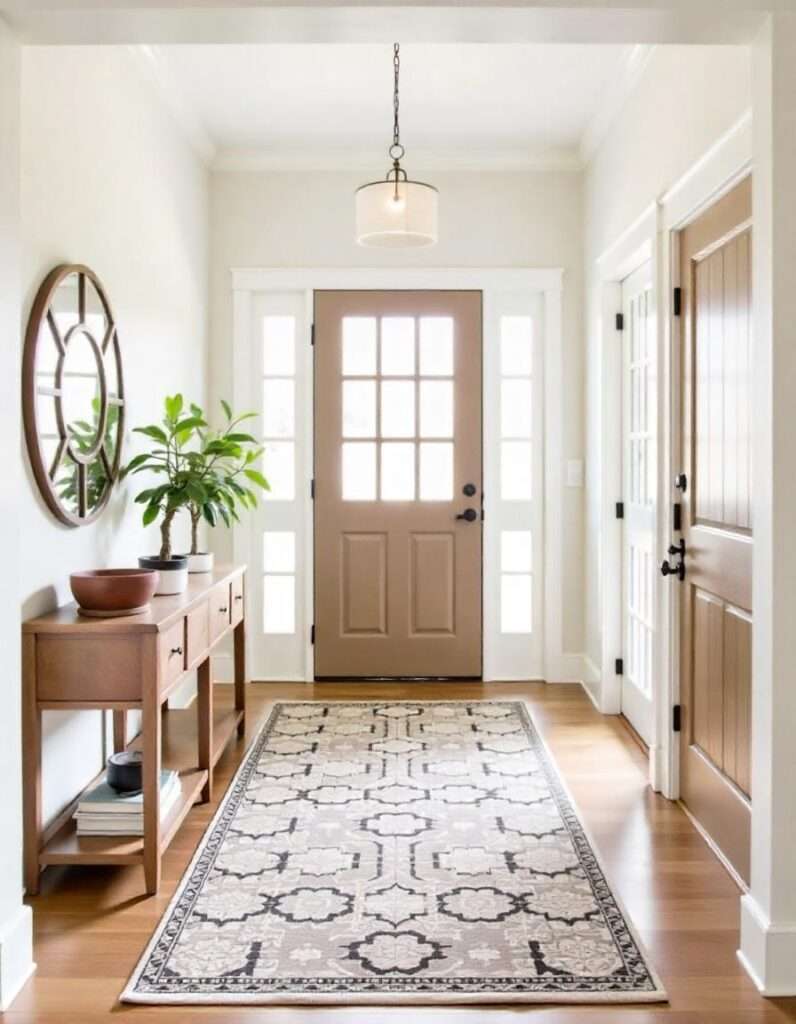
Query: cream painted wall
x=108 y=180
x=486 y=220
x=687 y=98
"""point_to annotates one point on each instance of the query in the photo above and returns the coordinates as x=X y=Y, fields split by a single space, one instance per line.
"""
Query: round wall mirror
x=73 y=394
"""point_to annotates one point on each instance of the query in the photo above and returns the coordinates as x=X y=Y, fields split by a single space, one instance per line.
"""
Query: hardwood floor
x=92 y=924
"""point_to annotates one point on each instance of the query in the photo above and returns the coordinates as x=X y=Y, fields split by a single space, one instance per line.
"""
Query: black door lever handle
x=469 y=515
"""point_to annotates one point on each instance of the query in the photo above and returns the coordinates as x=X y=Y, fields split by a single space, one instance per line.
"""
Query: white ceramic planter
x=201 y=562
x=172 y=573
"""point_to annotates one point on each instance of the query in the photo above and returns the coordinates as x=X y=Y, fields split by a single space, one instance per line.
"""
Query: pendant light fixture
x=396 y=212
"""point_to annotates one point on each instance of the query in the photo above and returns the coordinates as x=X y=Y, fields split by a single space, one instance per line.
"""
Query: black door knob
x=469 y=515
x=469 y=490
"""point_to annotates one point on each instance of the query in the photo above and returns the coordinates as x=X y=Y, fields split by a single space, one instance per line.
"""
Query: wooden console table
x=71 y=662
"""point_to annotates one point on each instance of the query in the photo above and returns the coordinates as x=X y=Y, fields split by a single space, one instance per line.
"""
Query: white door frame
x=247 y=283
x=654 y=235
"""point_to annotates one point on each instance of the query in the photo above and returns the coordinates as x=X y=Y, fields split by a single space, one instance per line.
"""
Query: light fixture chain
x=396 y=63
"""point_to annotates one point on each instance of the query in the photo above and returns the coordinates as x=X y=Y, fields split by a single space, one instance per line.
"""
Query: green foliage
x=201 y=467
x=82 y=435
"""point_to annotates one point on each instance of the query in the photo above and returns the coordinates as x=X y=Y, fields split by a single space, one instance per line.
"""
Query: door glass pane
x=515 y=550
x=397 y=408
x=436 y=471
x=515 y=470
x=279 y=551
x=359 y=346
x=278 y=408
x=359 y=471
x=397 y=346
x=515 y=604
x=359 y=408
x=278 y=467
x=515 y=408
x=279 y=346
x=279 y=601
x=516 y=336
x=397 y=471
x=436 y=346
x=436 y=408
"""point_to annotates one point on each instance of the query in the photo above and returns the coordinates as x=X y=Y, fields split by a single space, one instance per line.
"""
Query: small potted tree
x=223 y=478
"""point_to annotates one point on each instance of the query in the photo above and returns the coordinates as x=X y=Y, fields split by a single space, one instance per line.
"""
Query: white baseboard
x=568 y=668
x=16 y=955
x=768 y=950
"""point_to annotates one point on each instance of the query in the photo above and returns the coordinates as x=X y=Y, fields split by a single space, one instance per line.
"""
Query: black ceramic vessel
x=124 y=771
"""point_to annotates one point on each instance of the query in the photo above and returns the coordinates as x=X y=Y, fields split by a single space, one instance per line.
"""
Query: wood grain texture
x=91 y=925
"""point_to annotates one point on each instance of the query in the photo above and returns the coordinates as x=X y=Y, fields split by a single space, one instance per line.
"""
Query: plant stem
x=196 y=514
x=165 y=533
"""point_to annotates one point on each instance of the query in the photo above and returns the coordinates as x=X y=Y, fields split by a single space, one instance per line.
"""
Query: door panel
x=716 y=598
x=398 y=436
x=639 y=461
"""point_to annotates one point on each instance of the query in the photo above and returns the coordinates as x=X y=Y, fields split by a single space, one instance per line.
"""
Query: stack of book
x=102 y=811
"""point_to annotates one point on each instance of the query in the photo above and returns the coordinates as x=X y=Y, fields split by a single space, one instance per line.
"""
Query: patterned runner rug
x=413 y=852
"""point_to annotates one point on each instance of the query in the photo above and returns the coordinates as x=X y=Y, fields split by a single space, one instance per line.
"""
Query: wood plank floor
x=92 y=924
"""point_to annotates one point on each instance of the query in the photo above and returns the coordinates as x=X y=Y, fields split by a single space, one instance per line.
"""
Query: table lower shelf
x=179 y=753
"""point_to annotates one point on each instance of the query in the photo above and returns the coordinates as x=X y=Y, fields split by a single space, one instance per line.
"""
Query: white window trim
x=247 y=283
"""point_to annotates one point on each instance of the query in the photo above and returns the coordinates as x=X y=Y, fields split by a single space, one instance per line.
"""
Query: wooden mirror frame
x=45 y=474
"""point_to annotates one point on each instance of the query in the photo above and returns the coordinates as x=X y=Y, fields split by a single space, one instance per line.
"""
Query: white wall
x=513 y=219
x=15 y=919
x=107 y=180
x=687 y=98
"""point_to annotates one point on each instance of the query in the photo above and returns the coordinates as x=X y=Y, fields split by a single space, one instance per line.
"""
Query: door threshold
x=398 y=679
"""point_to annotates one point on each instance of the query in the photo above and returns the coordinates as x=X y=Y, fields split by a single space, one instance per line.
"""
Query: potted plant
x=206 y=480
x=169 y=460
x=223 y=476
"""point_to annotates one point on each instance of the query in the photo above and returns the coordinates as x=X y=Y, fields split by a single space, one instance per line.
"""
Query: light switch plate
x=574 y=472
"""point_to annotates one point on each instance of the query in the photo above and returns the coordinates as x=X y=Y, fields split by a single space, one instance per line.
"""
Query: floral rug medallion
x=412 y=852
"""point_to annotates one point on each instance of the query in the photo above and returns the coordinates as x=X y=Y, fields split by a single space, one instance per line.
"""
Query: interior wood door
x=397 y=466
x=716 y=636
x=639 y=492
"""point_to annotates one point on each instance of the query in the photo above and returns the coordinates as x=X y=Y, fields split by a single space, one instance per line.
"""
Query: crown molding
x=154 y=69
x=372 y=161
x=635 y=62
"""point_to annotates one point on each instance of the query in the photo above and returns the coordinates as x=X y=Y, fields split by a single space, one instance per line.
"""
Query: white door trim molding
x=554 y=663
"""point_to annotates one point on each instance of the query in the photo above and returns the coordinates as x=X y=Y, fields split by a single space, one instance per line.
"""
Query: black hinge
x=312 y=334
x=312 y=633
x=620 y=510
x=620 y=321
x=677 y=300
x=676 y=718
x=619 y=666
x=312 y=489
x=677 y=517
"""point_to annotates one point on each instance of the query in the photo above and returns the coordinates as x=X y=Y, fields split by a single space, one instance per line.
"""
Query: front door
x=397 y=484
x=640 y=486
x=716 y=495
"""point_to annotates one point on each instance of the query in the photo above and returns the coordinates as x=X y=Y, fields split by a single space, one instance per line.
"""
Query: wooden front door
x=397 y=466
x=716 y=637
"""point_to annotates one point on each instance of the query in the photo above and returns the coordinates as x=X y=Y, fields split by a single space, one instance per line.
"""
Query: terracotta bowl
x=109 y=592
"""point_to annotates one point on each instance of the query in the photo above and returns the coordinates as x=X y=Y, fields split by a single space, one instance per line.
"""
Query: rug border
x=130 y=996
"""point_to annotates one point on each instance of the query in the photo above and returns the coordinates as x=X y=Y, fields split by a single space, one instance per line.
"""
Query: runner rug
x=412 y=852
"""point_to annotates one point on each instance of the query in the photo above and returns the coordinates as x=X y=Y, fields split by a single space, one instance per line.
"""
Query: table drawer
x=237 y=600
x=172 y=653
x=220 y=616
x=83 y=668
x=197 y=629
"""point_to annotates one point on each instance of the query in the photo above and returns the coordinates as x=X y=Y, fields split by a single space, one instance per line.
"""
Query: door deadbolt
x=469 y=490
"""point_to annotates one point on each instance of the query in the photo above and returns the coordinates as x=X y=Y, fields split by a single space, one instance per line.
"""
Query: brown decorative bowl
x=105 y=593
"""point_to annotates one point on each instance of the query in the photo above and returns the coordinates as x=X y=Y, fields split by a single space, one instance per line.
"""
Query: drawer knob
x=176 y=650
x=223 y=609
x=239 y=597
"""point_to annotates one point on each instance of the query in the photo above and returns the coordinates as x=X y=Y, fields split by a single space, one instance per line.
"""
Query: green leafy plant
x=82 y=435
x=208 y=472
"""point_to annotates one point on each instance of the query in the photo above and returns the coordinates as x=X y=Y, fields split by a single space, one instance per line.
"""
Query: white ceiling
x=476 y=105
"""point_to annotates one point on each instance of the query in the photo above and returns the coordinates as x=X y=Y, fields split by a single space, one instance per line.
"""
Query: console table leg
x=204 y=712
x=119 y=731
x=240 y=673
x=151 y=728
x=31 y=775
